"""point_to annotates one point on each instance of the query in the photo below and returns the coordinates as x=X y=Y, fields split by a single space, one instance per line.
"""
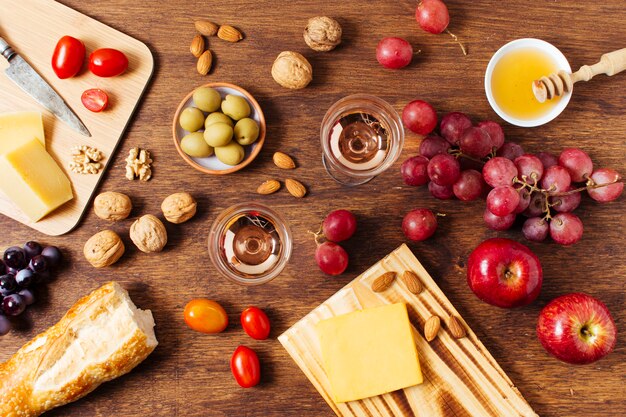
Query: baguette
x=103 y=336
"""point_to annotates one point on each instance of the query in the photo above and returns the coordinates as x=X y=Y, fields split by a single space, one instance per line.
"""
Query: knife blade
x=25 y=76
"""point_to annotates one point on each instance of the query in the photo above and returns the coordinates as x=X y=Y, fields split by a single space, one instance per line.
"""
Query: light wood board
x=461 y=378
x=32 y=28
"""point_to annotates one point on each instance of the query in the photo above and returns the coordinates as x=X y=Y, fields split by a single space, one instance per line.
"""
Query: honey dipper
x=555 y=84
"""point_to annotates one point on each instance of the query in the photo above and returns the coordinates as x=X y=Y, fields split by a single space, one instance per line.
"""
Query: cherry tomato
x=95 y=100
x=107 y=62
x=245 y=367
x=255 y=322
x=205 y=316
x=68 y=57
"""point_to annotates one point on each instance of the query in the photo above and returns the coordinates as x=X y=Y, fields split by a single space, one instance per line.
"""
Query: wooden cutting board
x=461 y=378
x=32 y=28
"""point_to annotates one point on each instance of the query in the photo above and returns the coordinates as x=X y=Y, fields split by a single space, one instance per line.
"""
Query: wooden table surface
x=188 y=374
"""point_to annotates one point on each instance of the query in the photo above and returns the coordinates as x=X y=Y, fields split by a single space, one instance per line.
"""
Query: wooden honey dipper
x=556 y=84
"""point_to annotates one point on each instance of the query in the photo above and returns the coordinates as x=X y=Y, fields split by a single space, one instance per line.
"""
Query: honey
x=511 y=83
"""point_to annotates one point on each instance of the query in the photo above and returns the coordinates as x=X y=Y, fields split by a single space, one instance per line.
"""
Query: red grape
x=433 y=145
x=510 y=150
x=475 y=142
x=547 y=159
x=420 y=117
x=566 y=228
x=535 y=229
x=495 y=132
x=469 y=186
x=608 y=192
x=556 y=178
x=414 y=171
x=453 y=125
x=339 y=225
x=331 y=258
x=394 y=53
x=442 y=192
x=577 y=163
x=419 y=224
x=444 y=169
x=499 y=171
x=530 y=166
x=566 y=203
x=537 y=205
x=502 y=201
x=496 y=222
x=432 y=16
x=524 y=200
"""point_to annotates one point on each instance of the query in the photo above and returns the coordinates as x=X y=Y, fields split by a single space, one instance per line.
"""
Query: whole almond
x=295 y=188
x=283 y=161
x=229 y=33
x=204 y=62
x=268 y=187
x=197 y=46
x=456 y=328
x=431 y=327
x=412 y=282
x=383 y=282
x=206 y=27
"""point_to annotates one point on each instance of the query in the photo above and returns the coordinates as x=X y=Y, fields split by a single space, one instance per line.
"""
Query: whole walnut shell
x=103 y=249
x=148 y=234
x=322 y=33
x=112 y=206
x=292 y=70
x=178 y=208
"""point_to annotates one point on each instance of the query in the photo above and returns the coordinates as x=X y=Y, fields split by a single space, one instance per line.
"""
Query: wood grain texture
x=188 y=374
x=32 y=28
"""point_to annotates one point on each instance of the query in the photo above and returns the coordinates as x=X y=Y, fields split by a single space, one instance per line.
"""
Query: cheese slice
x=369 y=352
x=31 y=178
x=18 y=128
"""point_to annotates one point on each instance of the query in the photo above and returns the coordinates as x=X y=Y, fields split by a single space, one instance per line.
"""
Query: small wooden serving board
x=32 y=28
x=461 y=378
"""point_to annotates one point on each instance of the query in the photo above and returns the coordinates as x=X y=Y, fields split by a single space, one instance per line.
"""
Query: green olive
x=194 y=145
x=235 y=107
x=217 y=117
x=191 y=119
x=218 y=134
x=246 y=131
x=231 y=154
x=207 y=99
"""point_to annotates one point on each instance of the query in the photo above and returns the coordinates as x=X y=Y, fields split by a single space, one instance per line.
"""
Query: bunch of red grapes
x=332 y=258
x=467 y=162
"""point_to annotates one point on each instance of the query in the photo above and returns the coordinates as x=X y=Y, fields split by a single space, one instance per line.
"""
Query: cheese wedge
x=18 y=128
x=31 y=178
x=369 y=352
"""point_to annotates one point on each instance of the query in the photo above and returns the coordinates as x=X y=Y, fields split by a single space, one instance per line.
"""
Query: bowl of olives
x=219 y=128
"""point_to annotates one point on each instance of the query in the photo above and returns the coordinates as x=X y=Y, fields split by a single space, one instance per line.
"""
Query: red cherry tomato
x=245 y=367
x=95 y=100
x=68 y=57
x=107 y=62
x=255 y=322
x=205 y=316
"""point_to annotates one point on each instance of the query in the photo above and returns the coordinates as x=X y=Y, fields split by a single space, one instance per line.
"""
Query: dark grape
x=3 y=268
x=453 y=125
x=25 y=277
x=339 y=225
x=433 y=145
x=420 y=117
x=608 y=192
x=496 y=134
x=38 y=263
x=535 y=229
x=414 y=170
x=432 y=16
x=566 y=228
x=499 y=172
x=444 y=169
x=8 y=285
x=5 y=324
x=529 y=166
x=442 y=192
x=53 y=256
x=32 y=249
x=475 y=142
x=556 y=178
x=496 y=222
x=14 y=257
x=547 y=159
x=13 y=305
x=577 y=163
x=27 y=295
x=510 y=150
x=331 y=258
x=469 y=186
x=419 y=224
x=566 y=203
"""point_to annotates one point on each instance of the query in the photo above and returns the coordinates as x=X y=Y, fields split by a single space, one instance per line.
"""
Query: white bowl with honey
x=509 y=77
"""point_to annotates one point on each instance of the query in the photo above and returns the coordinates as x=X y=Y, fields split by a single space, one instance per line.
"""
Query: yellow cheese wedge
x=18 y=128
x=32 y=180
x=369 y=352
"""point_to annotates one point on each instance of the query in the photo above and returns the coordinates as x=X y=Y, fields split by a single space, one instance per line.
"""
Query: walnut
x=178 y=208
x=148 y=234
x=112 y=206
x=103 y=249
x=322 y=33
x=292 y=70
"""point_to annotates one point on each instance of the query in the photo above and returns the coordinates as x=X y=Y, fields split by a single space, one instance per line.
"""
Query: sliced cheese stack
x=29 y=176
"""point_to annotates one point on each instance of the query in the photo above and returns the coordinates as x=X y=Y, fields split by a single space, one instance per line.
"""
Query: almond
x=431 y=327
x=283 y=161
x=197 y=46
x=229 y=33
x=268 y=187
x=206 y=27
x=412 y=282
x=204 y=62
x=295 y=188
x=383 y=282
x=456 y=328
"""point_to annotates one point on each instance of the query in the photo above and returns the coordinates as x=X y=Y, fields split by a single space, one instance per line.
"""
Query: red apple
x=576 y=328
x=504 y=273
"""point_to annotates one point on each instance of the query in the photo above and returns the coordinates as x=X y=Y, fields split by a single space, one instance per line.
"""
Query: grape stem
x=457 y=153
x=456 y=39
x=318 y=235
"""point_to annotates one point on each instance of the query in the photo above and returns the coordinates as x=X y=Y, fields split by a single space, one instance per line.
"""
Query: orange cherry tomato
x=255 y=322
x=205 y=316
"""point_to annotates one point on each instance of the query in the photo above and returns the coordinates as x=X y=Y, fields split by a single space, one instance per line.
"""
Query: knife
x=22 y=74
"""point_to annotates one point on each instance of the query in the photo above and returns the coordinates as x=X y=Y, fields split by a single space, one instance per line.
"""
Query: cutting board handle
x=6 y=50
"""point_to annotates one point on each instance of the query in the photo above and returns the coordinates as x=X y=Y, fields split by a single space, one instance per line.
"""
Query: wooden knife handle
x=610 y=64
x=6 y=50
